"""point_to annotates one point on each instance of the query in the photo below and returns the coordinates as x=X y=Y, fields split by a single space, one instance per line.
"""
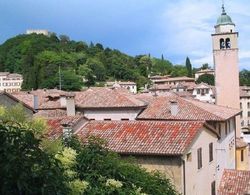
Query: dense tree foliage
x=38 y=57
x=206 y=78
x=245 y=77
x=31 y=163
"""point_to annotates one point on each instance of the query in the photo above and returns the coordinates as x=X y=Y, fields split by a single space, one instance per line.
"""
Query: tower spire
x=223 y=8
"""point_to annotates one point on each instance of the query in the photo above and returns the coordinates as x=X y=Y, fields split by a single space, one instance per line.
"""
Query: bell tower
x=225 y=54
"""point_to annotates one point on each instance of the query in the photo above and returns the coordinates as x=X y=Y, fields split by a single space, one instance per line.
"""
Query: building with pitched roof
x=171 y=107
x=129 y=85
x=184 y=151
x=108 y=104
x=8 y=100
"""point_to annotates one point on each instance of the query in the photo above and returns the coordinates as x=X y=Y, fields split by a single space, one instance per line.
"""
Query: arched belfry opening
x=228 y=43
x=222 y=43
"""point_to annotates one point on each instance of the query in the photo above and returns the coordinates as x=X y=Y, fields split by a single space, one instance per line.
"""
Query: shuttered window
x=211 y=157
x=199 y=155
x=213 y=191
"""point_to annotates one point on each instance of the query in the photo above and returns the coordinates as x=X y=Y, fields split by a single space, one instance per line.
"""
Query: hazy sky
x=175 y=28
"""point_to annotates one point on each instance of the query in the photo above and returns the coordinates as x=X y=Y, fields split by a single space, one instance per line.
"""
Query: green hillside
x=38 y=58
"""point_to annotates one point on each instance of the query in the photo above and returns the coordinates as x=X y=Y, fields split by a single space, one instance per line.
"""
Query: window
x=225 y=128
x=234 y=124
x=229 y=125
x=228 y=43
x=240 y=105
x=220 y=129
x=107 y=119
x=211 y=157
x=207 y=91
x=125 y=119
x=248 y=105
x=199 y=157
x=198 y=91
x=248 y=113
x=222 y=44
x=213 y=191
x=242 y=155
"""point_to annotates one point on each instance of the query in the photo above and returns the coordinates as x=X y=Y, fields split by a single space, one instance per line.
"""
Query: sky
x=174 y=28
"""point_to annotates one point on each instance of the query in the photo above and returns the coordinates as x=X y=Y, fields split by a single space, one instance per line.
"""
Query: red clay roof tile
x=144 y=137
x=234 y=182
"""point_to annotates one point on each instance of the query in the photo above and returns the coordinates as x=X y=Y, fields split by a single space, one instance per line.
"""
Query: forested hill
x=38 y=58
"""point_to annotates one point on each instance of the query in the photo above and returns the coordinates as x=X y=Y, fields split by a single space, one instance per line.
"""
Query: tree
x=189 y=67
x=71 y=81
x=107 y=173
x=206 y=78
x=245 y=77
x=25 y=167
x=205 y=66
x=64 y=39
x=29 y=166
x=145 y=65
x=161 y=67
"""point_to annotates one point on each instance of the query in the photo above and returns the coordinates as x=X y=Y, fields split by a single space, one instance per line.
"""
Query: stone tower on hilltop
x=225 y=54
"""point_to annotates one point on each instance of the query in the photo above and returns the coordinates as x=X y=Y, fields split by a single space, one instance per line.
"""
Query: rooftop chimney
x=173 y=108
x=35 y=101
x=70 y=104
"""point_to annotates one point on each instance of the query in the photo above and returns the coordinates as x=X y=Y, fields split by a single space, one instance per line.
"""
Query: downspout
x=184 y=177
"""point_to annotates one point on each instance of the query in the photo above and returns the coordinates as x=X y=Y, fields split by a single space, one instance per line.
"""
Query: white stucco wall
x=198 y=181
x=206 y=97
x=99 y=114
x=245 y=103
x=225 y=150
x=10 y=84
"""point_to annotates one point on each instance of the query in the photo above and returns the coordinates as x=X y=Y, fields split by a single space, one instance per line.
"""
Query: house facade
x=10 y=82
x=204 y=92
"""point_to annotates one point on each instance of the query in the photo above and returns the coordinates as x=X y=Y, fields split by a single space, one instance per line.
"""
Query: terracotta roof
x=103 y=97
x=56 y=125
x=53 y=113
x=184 y=78
x=203 y=85
x=234 y=182
x=188 y=109
x=17 y=100
x=240 y=143
x=184 y=94
x=243 y=92
x=120 y=82
x=205 y=70
x=144 y=137
x=221 y=111
x=47 y=99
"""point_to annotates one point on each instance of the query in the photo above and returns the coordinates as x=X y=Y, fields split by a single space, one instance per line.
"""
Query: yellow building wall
x=242 y=162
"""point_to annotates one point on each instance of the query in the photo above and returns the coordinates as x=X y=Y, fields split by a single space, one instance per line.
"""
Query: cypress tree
x=189 y=67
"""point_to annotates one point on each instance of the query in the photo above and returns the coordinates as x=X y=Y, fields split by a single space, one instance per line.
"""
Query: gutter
x=184 y=177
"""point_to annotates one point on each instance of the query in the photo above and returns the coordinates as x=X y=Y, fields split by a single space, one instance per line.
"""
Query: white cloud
x=190 y=25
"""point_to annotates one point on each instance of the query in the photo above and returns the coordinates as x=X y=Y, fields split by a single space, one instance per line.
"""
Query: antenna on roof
x=60 y=78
